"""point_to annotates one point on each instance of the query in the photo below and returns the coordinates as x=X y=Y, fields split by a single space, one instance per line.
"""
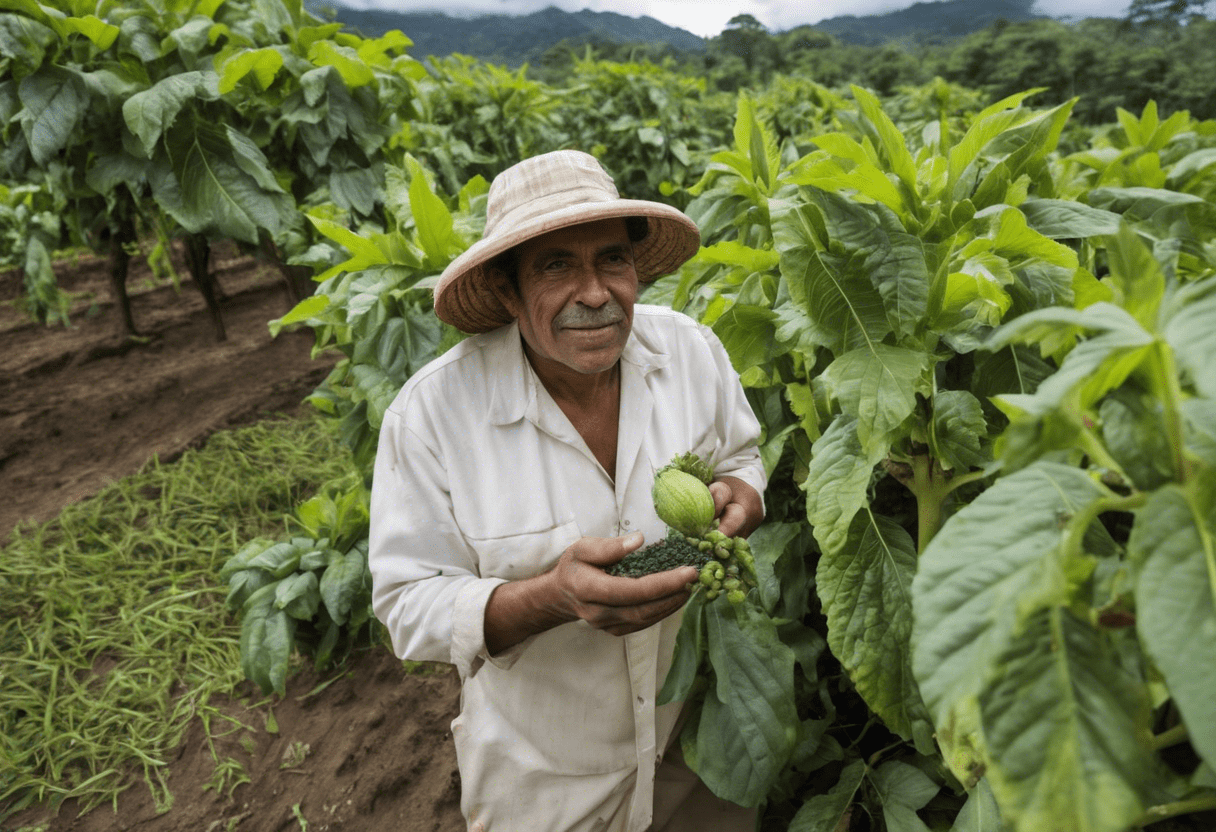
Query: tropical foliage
x=976 y=335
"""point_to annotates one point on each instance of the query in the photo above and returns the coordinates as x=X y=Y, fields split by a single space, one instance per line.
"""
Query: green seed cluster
x=670 y=553
x=732 y=570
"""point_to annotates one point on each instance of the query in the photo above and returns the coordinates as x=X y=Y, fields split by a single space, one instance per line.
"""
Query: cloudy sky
x=708 y=17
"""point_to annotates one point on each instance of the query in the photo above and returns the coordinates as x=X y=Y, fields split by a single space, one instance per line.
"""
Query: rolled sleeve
x=426 y=586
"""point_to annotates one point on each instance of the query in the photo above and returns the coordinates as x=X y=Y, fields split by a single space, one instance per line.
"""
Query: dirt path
x=80 y=407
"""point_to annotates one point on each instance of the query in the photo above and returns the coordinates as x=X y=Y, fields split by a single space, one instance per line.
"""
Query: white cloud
x=709 y=17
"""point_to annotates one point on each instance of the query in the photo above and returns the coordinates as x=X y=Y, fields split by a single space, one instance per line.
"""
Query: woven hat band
x=543 y=184
x=539 y=205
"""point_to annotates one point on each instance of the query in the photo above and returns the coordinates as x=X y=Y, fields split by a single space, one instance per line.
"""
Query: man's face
x=577 y=287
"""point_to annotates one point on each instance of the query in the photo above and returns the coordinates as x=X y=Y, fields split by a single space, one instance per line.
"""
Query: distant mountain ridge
x=515 y=39
x=508 y=39
x=942 y=20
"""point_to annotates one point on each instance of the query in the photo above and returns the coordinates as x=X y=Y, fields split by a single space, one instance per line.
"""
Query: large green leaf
x=866 y=591
x=149 y=114
x=844 y=305
x=748 y=725
x=838 y=481
x=1095 y=366
x=1192 y=336
x=1064 y=219
x=217 y=195
x=902 y=789
x=958 y=430
x=824 y=812
x=1067 y=729
x=55 y=101
x=1172 y=546
x=267 y=640
x=342 y=583
x=990 y=564
x=878 y=386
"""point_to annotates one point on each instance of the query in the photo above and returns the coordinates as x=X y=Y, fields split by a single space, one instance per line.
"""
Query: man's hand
x=738 y=507
x=578 y=588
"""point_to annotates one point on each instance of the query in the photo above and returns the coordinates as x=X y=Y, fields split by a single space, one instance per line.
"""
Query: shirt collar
x=514 y=383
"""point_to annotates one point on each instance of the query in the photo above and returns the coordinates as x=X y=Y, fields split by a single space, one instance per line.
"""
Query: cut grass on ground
x=113 y=629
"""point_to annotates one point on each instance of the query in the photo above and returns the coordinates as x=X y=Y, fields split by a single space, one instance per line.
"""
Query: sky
x=708 y=18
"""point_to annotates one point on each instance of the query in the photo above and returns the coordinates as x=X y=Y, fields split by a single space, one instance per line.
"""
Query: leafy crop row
x=977 y=339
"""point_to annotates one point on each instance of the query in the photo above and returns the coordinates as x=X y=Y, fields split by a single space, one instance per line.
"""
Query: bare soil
x=366 y=747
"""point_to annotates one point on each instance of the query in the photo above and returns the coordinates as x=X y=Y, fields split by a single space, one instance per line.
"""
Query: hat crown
x=544 y=184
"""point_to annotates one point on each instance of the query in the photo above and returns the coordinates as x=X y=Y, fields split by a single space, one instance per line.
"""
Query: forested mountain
x=510 y=39
x=928 y=22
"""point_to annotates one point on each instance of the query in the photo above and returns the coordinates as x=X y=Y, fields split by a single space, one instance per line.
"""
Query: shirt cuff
x=469 y=651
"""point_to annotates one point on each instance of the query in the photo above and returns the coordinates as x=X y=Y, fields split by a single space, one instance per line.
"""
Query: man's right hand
x=578 y=588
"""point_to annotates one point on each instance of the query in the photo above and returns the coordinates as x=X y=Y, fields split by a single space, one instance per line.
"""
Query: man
x=518 y=465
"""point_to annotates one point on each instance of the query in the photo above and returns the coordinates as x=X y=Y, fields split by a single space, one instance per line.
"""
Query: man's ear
x=500 y=283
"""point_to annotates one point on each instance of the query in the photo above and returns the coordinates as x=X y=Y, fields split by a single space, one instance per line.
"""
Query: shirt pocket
x=516 y=556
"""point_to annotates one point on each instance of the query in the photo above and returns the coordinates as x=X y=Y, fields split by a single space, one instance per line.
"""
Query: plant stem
x=1170 y=737
x=1203 y=803
x=1170 y=393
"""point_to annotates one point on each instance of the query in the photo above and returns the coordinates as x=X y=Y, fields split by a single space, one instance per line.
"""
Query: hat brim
x=465 y=299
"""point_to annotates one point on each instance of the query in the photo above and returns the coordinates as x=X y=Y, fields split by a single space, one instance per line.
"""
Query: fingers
x=605 y=551
x=722 y=495
x=732 y=519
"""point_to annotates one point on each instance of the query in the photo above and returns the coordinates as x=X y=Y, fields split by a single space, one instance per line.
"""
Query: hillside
x=507 y=38
x=928 y=22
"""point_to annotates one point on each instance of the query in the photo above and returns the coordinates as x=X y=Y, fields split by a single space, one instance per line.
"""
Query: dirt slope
x=80 y=407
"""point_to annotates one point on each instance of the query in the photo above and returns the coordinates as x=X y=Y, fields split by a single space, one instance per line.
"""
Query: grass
x=113 y=630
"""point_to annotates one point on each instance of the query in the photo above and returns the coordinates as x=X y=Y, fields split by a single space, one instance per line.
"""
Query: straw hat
x=542 y=194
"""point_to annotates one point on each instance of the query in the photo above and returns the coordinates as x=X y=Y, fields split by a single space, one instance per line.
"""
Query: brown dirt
x=81 y=407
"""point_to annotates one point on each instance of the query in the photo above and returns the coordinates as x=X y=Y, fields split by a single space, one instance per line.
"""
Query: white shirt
x=481 y=479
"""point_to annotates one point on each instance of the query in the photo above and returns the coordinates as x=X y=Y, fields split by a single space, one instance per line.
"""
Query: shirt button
x=626 y=524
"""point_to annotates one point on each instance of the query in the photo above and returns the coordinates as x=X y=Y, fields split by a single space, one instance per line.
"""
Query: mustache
x=578 y=316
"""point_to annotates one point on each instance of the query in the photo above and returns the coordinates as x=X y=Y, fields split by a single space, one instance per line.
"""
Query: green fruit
x=683 y=502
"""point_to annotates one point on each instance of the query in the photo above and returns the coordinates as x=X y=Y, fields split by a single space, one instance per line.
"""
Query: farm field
x=370 y=747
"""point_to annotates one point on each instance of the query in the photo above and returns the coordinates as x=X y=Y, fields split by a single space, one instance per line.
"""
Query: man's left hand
x=738 y=507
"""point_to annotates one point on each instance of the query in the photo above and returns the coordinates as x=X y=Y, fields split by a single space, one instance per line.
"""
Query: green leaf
x=865 y=589
x=838 y=481
x=297 y=595
x=1132 y=431
x=263 y=63
x=1172 y=546
x=990 y=563
x=980 y=813
x=1067 y=728
x=354 y=72
x=1137 y=276
x=748 y=722
x=959 y=428
x=769 y=545
x=1190 y=333
x=55 y=101
x=280 y=559
x=1064 y=219
x=217 y=195
x=733 y=253
x=890 y=140
x=431 y=217
x=878 y=386
x=845 y=307
x=149 y=114
x=902 y=789
x=1095 y=366
x=267 y=639
x=689 y=650
x=342 y=583
x=824 y=812
x=749 y=334
x=102 y=34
